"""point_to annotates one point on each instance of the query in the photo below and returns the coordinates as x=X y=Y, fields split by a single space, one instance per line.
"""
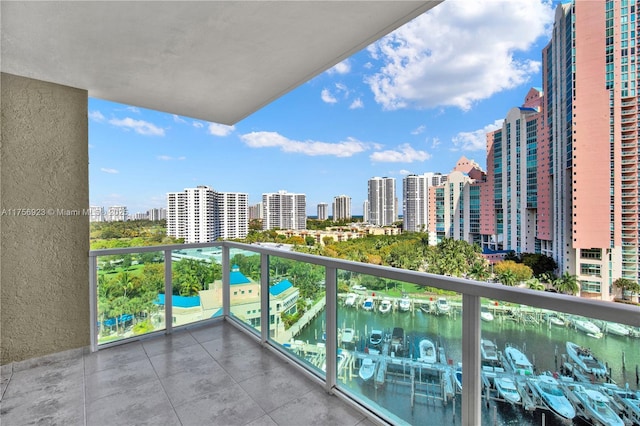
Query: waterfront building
x=454 y=208
x=96 y=214
x=515 y=199
x=201 y=215
x=590 y=70
x=341 y=208
x=323 y=211
x=365 y=211
x=284 y=210
x=383 y=203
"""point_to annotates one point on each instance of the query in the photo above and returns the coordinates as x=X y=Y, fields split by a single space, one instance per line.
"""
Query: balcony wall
x=44 y=267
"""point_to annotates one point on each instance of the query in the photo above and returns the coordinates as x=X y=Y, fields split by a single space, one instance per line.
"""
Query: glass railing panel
x=244 y=287
x=400 y=344
x=128 y=290
x=297 y=302
x=196 y=284
x=550 y=367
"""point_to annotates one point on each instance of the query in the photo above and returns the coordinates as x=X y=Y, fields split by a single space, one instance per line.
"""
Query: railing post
x=331 y=312
x=168 y=292
x=264 y=298
x=226 y=282
x=93 y=301
x=471 y=368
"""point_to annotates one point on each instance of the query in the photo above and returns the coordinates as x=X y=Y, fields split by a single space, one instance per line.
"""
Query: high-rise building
x=510 y=218
x=157 y=214
x=365 y=211
x=454 y=207
x=283 y=210
x=232 y=215
x=202 y=215
x=590 y=71
x=415 y=200
x=96 y=214
x=383 y=203
x=255 y=211
x=323 y=211
x=341 y=208
x=116 y=214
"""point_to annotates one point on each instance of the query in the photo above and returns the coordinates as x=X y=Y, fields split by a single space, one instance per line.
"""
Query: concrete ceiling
x=212 y=60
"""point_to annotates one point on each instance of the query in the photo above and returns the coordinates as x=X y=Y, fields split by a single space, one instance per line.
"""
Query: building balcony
x=627 y=137
x=629 y=145
x=229 y=358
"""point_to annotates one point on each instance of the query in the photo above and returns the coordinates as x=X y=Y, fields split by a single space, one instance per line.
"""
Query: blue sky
x=413 y=102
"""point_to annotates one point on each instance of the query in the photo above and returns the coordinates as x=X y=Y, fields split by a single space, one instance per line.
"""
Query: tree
x=626 y=285
x=567 y=284
x=535 y=284
x=518 y=271
x=539 y=263
x=507 y=277
x=479 y=271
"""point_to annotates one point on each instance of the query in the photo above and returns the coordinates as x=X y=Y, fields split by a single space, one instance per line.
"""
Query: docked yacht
x=594 y=404
x=350 y=300
x=518 y=361
x=367 y=369
x=428 y=352
x=588 y=327
x=367 y=305
x=551 y=394
x=585 y=360
x=385 y=306
x=442 y=305
x=405 y=303
x=507 y=389
x=375 y=339
x=485 y=314
x=489 y=352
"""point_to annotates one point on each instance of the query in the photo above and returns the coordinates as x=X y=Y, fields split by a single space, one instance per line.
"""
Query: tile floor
x=207 y=375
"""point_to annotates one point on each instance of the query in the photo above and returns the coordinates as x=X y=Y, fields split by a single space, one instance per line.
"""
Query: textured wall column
x=44 y=233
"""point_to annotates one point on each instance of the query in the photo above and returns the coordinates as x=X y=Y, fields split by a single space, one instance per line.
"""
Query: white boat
x=375 y=338
x=554 y=319
x=367 y=369
x=507 y=389
x=549 y=390
x=350 y=299
x=617 y=329
x=630 y=403
x=397 y=341
x=442 y=305
x=485 y=314
x=385 y=306
x=428 y=351
x=405 y=303
x=367 y=305
x=588 y=327
x=518 y=361
x=585 y=360
x=595 y=405
x=489 y=352
x=458 y=378
x=348 y=335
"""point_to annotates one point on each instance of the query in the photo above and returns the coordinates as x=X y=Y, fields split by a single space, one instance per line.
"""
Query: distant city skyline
x=393 y=109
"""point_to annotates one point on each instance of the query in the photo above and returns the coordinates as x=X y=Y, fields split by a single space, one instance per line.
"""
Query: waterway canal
x=544 y=344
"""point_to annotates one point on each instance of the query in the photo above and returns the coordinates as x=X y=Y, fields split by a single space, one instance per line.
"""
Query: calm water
x=539 y=342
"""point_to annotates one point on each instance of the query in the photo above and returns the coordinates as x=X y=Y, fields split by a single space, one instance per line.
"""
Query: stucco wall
x=44 y=296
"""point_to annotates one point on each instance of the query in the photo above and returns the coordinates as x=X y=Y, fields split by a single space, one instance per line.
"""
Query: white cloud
x=457 y=56
x=475 y=140
x=198 y=125
x=216 y=129
x=356 y=104
x=403 y=154
x=110 y=171
x=96 y=116
x=139 y=126
x=405 y=172
x=179 y=119
x=169 y=158
x=435 y=142
x=418 y=130
x=340 y=68
x=346 y=148
x=327 y=97
x=133 y=109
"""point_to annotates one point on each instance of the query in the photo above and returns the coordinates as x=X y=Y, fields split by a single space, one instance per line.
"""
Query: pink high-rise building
x=589 y=68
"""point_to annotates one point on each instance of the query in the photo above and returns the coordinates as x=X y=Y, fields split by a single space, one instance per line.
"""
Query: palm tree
x=507 y=277
x=567 y=284
x=479 y=271
x=535 y=284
